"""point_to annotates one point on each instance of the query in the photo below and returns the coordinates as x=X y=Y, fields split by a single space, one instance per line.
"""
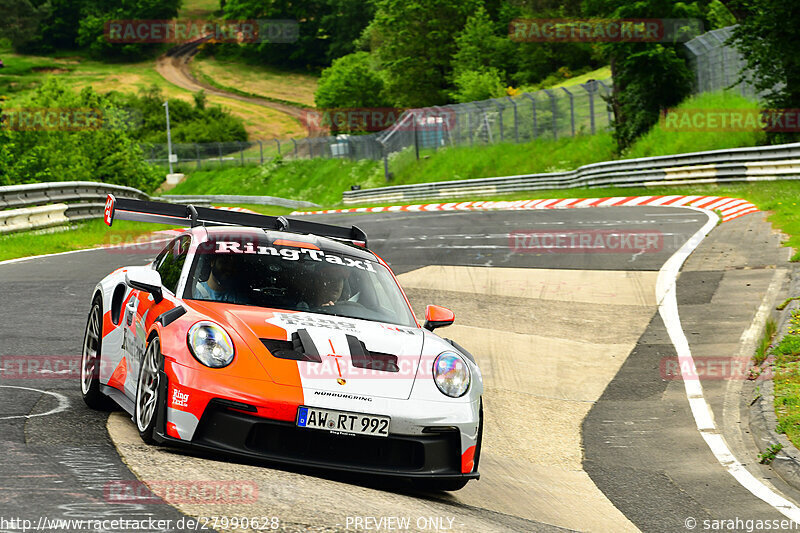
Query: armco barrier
x=44 y=205
x=27 y=218
x=231 y=199
x=28 y=207
x=764 y=163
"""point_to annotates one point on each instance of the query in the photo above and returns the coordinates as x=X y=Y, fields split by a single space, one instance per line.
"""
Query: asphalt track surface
x=57 y=465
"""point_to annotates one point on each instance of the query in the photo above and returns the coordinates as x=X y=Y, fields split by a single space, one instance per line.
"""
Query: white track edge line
x=703 y=415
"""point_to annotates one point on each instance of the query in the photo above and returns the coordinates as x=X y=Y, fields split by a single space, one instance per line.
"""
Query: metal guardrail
x=63 y=191
x=44 y=205
x=717 y=166
x=231 y=199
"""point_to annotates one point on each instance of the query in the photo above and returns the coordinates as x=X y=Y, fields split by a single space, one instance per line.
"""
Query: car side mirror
x=145 y=279
x=438 y=317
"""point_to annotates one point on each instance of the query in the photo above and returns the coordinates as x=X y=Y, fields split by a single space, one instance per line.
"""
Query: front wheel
x=90 y=361
x=147 y=391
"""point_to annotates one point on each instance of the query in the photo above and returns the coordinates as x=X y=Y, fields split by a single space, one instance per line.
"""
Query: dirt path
x=175 y=69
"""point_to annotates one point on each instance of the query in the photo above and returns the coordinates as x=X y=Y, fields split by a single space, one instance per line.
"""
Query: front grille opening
x=356 y=450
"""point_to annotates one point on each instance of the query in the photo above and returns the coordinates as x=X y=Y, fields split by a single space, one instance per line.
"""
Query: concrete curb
x=763 y=420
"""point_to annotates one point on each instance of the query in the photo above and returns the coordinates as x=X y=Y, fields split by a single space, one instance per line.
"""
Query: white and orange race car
x=283 y=340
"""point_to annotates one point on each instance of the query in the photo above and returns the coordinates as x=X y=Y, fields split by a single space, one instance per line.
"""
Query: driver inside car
x=325 y=286
x=220 y=286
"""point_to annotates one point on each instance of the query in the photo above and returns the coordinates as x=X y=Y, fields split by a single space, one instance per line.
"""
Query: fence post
x=219 y=147
x=469 y=127
x=278 y=142
x=295 y=148
x=516 y=119
x=416 y=137
x=571 y=110
x=554 y=110
x=241 y=153
x=535 y=117
x=500 y=110
x=385 y=155
x=608 y=111
x=261 y=150
x=589 y=87
x=197 y=151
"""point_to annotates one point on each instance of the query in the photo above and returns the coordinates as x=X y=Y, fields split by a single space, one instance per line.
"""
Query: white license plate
x=343 y=422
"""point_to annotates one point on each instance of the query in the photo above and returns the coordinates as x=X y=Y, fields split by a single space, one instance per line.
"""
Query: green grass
x=259 y=81
x=91 y=234
x=787 y=381
x=317 y=180
x=568 y=153
x=762 y=350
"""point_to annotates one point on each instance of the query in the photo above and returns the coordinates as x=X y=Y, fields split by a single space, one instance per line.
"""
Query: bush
x=351 y=81
x=108 y=153
x=472 y=85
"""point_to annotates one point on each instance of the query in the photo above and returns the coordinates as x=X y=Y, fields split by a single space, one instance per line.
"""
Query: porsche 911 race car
x=283 y=340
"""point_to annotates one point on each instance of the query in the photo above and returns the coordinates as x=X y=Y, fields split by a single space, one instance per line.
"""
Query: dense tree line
x=409 y=53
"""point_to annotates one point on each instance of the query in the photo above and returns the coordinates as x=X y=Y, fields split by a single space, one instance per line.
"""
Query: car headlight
x=451 y=374
x=210 y=344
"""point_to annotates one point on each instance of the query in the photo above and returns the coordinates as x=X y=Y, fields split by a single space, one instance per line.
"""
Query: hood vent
x=300 y=348
x=363 y=358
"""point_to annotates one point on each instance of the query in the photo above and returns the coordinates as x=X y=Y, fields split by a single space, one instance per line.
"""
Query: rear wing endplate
x=189 y=215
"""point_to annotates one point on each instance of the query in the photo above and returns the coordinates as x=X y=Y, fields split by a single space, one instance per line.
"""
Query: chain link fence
x=547 y=114
x=550 y=113
x=717 y=65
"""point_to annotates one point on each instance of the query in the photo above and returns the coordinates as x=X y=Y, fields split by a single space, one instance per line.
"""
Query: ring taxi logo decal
x=292 y=254
x=179 y=399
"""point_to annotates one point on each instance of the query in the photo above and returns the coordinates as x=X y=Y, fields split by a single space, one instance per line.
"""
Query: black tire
x=91 y=360
x=147 y=391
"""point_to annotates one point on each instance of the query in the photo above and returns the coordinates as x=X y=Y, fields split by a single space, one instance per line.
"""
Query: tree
x=648 y=77
x=767 y=36
x=481 y=84
x=327 y=29
x=477 y=45
x=350 y=82
x=19 y=20
x=96 y=13
x=414 y=43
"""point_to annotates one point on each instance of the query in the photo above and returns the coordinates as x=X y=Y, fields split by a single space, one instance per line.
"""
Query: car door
x=142 y=309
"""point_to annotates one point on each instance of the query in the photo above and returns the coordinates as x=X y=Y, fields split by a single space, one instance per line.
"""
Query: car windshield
x=293 y=276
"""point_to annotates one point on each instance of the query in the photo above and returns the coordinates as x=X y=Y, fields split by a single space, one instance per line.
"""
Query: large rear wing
x=189 y=215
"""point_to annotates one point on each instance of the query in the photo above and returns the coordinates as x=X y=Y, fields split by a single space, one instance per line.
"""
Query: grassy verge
x=286 y=87
x=316 y=180
x=24 y=74
x=90 y=234
x=787 y=381
x=547 y=155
